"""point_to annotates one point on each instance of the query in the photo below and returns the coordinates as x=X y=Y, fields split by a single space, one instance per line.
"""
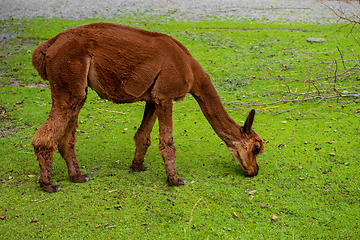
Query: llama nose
x=256 y=170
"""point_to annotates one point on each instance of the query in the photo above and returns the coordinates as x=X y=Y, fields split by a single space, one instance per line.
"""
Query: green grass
x=309 y=176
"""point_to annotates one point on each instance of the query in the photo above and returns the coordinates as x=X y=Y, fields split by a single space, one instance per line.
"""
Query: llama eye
x=256 y=150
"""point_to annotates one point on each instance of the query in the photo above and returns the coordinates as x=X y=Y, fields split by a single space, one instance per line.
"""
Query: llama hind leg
x=45 y=143
x=58 y=129
x=67 y=150
x=142 y=137
x=45 y=159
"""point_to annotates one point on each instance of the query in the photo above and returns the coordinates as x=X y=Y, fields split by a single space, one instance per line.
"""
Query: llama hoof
x=178 y=182
x=51 y=188
x=80 y=179
x=138 y=168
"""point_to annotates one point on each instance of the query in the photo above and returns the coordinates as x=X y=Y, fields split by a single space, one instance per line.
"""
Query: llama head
x=247 y=147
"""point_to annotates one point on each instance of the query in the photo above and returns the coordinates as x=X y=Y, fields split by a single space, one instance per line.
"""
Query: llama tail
x=38 y=57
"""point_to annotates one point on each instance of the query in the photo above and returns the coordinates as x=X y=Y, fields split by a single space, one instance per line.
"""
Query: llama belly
x=115 y=90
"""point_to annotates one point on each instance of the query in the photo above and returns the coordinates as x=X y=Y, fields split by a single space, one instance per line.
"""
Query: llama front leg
x=142 y=137
x=166 y=144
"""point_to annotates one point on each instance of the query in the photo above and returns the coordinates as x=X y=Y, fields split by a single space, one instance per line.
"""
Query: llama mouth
x=247 y=172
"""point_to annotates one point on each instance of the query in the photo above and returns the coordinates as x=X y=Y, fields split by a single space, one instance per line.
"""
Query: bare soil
x=271 y=10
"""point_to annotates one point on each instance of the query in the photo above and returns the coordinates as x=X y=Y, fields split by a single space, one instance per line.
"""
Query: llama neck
x=214 y=111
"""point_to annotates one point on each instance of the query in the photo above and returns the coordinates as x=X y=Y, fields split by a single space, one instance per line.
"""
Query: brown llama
x=125 y=65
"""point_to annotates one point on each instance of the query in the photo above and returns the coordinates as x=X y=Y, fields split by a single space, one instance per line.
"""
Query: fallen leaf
x=252 y=192
x=329 y=142
x=34 y=220
x=274 y=217
x=332 y=154
x=2 y=217
x=357 y=111
x=264 y=206
x=306 y=142
x=301 y=167
x=234 y=213
x=97 y=226
x=301 y=178
x=9 y=170
x=118 y=207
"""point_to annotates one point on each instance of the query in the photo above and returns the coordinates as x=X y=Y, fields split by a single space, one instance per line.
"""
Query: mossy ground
x=309 y=172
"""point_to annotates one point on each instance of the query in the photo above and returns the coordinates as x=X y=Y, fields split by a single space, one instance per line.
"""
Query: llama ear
x=249 y=121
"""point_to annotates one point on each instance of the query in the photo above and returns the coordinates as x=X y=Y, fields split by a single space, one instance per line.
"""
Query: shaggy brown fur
x=125 y=65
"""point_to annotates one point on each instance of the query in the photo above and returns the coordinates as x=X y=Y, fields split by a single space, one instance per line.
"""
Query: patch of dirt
x=5 y=130
x=293 y=10
x=16 y=83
